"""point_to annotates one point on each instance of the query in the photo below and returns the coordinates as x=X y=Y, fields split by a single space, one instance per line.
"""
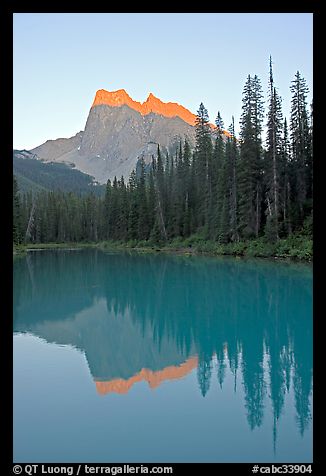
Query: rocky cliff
x=118 y=132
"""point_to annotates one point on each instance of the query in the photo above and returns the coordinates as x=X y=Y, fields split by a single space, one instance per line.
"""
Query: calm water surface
x=152 y=358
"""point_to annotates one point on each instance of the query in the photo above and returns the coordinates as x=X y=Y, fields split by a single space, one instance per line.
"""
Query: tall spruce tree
x=311 y=150
x=202 y=166
x=286 y=180
x=133 y=214
x=300 y=145
x=250 y=164
x=218 y=156
x=123 y=206
x=160 y=205
x=151 y=199
x=232 y=157
x=272 y=162
x=220 y=182
x=143 y=215
x=107 y=210
x=188 y=189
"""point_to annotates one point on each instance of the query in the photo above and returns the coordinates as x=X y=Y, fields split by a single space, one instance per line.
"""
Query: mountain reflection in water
x=156 y=318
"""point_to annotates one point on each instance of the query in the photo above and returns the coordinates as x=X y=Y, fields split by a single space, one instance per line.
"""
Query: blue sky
x=61 y=60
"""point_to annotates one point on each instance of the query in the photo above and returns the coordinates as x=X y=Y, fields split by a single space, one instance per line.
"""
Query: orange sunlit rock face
x=154 y=379
x=152 y=104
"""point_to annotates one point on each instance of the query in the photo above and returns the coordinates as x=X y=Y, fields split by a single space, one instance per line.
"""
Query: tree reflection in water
x=157 y=314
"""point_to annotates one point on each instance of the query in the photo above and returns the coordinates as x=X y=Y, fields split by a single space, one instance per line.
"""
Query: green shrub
x=205 y=246
x=194 y=239
x=144 y=244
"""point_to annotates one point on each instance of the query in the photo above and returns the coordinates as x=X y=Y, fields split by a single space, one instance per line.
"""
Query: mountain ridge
x=118 y=132
x=34 y=174
x=151 y=104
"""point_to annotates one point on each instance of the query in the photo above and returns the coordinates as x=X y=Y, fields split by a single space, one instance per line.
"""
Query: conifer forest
x=225 y=190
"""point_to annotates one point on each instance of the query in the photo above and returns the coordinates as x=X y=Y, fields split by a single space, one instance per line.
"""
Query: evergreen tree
x=300 y=145
x=250 y=164
x=272 y=165
x=17 y=216
x=219 y=122
x=143 y=218
x=151 y=199
x=107 y=210
x=217 y=181
x=202 y=166
x=92 y=218
x=174 y=204
x=123 y=208
x=286 y=188
x=310 y=157
x=29 y=216
x=232 y=157
x=185 y=178
x=114 y=211
x=133 y=215
x=220 y=187
x=160 y=205
x=178 y=191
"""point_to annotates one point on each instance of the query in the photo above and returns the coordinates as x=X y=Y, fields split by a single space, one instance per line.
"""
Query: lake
x=126 y=357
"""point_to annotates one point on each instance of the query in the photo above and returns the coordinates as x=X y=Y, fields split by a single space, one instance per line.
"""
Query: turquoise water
x=153 y=358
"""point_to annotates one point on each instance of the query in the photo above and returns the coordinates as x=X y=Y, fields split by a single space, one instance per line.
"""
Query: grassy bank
x=298 y=247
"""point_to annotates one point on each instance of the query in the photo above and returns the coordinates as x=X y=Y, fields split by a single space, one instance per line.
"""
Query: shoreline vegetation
x=296 y=247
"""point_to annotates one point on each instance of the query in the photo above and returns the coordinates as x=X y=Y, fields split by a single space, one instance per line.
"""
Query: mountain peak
x=152 y=104
x=151 y=98
x=113 y=98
